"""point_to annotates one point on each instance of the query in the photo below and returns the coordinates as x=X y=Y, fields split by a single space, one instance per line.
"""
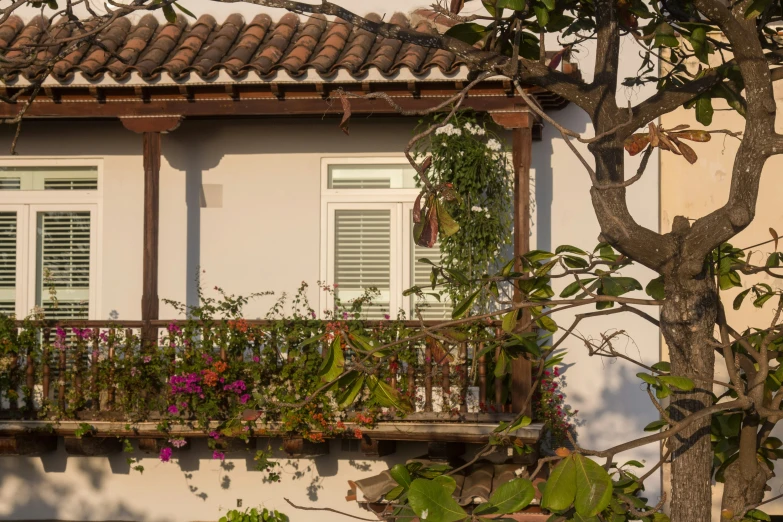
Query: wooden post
x=149 y=296
x=521 y=125
x=150 y=128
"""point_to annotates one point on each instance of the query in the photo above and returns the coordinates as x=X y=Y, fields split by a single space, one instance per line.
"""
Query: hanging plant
x=472 y=161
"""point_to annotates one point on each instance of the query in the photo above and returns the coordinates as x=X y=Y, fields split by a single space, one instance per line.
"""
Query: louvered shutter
x=48 y=178
x=430 y=307
x=358 y=177
x=8 y=254
x=362 y=256
x=64 y=263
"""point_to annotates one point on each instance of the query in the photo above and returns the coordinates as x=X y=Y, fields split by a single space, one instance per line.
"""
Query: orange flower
x=220 y=366
x=239 y=325
x=210 y=378
x=357 y=433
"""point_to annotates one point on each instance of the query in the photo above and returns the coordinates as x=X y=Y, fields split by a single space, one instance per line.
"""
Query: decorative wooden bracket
x=300 y=448
x=142 y=124
x=92 y=446
x=378 y=448
x=21 y=445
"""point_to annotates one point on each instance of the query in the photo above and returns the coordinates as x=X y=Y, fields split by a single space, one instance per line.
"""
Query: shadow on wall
x=58 y=487
x=573 y=118
x=28 y=495
x=197 y=147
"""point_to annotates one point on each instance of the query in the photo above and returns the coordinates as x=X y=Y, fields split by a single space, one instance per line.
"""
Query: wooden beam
x=521 y=125
x=150 y=128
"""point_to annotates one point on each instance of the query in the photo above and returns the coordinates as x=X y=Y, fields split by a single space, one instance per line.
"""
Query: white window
x=367 y=239
x=48 y=230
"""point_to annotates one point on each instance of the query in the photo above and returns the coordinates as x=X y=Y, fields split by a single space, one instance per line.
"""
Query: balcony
x=157 y=380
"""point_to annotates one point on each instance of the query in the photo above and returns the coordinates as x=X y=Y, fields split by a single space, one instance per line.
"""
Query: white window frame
x=27 y=204
x=400 y=200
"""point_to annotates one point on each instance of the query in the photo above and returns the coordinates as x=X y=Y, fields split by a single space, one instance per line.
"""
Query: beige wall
x=694 y=191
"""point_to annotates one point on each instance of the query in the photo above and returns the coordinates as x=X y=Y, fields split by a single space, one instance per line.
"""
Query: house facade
x=217 y=159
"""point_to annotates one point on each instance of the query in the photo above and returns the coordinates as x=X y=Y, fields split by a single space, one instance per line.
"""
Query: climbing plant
x=469 y=157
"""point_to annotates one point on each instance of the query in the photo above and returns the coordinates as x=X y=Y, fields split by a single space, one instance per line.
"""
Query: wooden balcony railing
x=73 y=371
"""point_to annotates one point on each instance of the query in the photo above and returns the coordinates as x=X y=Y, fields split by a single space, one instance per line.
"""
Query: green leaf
x=580 y=518
x=538 y=255
x=401 y=475
x=349 y=386
x=760 y=300
x=570 y=249
x=755 y=514
x=634 y=463
x=512 y=496
x=387 y=396
x=560 y=490
x=516 y=5
x=663 y=366
x=649 y=379
x=510 y=321
x=501 y=364
x=465 y=306
x=542 y=14
x=756 y=8
x=656 y=425
x=575 y=287
x=739 y=299
x=655 y=289
x=395 y=493
x=549 y=4
x=617 y=286
x=436 y=500
x=333 y=363
x=683 y=383
x=470 y=33
x=546 y=323
x=446 y=223
x=178 y=6
x=520 y=423
x=575 y=262
x=168 y=12
x=663 y=391
x=704 y=110
x=593 y=487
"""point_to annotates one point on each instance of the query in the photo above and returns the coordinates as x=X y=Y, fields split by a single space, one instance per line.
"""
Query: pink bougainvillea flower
x=178 y=443
x=173 y=410
x=244 y=398
x=218 y=455
x=165 y=454
x=215 y=435
x=256 y=359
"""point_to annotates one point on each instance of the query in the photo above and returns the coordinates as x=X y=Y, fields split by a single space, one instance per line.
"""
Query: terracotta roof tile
x=204 y=47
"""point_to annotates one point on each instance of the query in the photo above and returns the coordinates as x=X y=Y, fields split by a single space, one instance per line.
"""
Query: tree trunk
x=746 y=477
x=688 y=318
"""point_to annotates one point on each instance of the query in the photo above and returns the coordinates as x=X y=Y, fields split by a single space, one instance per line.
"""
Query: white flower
x=446 y=129
x=424 y=514
x=476 y=208
x=494 y=145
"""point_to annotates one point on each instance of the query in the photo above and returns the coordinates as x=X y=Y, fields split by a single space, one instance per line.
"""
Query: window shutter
x=430 y=307
x=64 y=264
x=363 y=256
x=8 y=223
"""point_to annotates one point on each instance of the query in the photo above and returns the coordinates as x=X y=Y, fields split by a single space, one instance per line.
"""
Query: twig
x=343 y=513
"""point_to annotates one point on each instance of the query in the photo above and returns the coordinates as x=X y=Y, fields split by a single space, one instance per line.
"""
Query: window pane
x=362 y=253
x=371 y=177
x=8 y=223
x=430 y=307
x=48 y=178
x=63 y=264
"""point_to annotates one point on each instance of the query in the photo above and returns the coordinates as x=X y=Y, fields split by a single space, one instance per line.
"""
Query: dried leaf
x=417 y=208
x=346 y=113
x=636 y=143
x=667 y=144
x=426 y=164
x=439 y=354
x=687 y=152
x=251 y=415
x=693 y=135
x=456 y=6
x=554 y=63
x=429 y=232
x=654 y=135
x=775 y=237
x=679 y=127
